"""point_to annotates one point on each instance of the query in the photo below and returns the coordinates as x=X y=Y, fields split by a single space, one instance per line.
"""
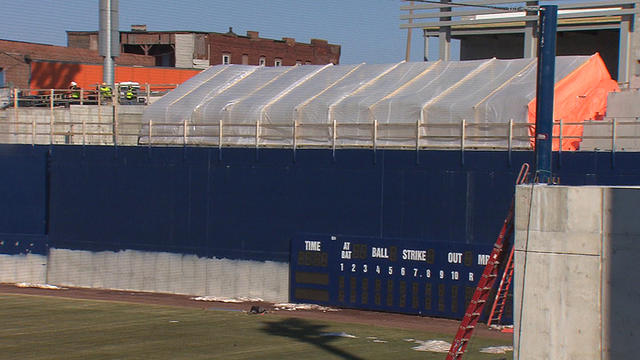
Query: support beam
x=444 y=35
x=530 y=33
x=146 y=48
x=624 y=59
x=407 y=55
x=426 y=45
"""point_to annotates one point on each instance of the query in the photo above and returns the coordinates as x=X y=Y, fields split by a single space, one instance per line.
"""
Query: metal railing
x=65 y=97
x=112 y=125
x=487 y=12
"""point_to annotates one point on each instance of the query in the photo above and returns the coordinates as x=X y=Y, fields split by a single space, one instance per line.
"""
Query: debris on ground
x=438 y=346
x=39 y=286
x=226 y=299
x=257 y=310
x=496 y=349
x=293 y=307
x=339 y=334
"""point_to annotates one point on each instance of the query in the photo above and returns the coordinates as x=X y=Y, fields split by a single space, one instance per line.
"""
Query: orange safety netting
x=580 y=96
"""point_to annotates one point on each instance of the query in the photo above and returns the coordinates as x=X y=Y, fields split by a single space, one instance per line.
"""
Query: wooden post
x=115 y=122
x=51 y=118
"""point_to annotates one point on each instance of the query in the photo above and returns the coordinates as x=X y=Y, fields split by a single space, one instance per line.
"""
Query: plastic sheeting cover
x=353 y=105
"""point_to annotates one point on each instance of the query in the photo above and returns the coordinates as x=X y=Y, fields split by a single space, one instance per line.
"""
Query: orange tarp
x=580 y=96
x=58 y=75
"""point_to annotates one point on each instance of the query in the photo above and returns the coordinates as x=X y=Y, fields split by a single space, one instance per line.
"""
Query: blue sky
x=367 y=30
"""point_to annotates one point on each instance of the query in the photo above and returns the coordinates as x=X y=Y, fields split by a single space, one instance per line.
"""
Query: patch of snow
x=437 y=346
x=173 y=321
x=226 y=299
x=293 y=307
x=496 y=349
x=40 y=286
x=339 y=334
x=500 y=327
x=409 y=340
x=375 y=339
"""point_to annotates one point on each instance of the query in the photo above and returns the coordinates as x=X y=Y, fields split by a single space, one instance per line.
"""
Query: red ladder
x=497 y=310
x=486 y=282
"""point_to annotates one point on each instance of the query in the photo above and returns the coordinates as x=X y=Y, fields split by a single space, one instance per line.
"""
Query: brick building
x=230 y=48
x=190 y=49
x=17 y=59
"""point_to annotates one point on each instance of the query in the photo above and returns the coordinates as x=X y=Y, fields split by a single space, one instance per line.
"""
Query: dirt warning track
x=400 y=321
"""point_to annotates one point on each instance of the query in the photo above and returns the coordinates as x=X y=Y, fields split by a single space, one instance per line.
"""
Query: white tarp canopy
x=421 y=104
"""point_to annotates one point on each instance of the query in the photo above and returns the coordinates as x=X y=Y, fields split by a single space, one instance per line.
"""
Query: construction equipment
x=129 y=94
x=497 y=310
x=486 y=282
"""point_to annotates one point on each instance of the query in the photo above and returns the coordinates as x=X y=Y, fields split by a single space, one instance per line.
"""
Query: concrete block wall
x=29 y=268
x=88 y=124
x=575 y=283
x=169 y=273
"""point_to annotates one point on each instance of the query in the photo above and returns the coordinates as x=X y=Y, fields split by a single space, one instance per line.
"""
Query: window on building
x=278 y=62
x=263 y=61
x=226 y=59
x=307 y=62
x=245 y=59
x=1 y=78
x=298 y=62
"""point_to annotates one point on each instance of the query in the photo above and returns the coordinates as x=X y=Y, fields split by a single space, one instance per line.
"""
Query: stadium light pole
x=545 y=91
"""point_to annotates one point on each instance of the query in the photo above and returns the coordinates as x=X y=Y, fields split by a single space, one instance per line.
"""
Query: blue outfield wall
x=246 y=204
x=23 y=200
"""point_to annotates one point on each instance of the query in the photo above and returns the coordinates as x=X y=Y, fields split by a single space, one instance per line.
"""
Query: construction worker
x=129 y=94
x=75 y=92
x=105 y=92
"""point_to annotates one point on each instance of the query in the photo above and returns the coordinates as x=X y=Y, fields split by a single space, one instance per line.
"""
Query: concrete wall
x=151 y=271
x=30 y=268
x=184 y=50
x=576 y=276
x=80 y=124
x=624 y=108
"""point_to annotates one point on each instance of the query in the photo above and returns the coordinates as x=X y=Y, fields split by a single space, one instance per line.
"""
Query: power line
x=509 y=9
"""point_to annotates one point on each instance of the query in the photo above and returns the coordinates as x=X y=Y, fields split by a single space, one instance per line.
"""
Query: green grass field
x=38 y=327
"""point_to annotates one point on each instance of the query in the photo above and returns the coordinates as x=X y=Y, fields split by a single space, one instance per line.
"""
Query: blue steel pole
x=544 y=92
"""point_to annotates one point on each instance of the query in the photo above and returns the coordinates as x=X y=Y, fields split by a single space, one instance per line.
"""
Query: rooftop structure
x=194 y=49
x=508 y=29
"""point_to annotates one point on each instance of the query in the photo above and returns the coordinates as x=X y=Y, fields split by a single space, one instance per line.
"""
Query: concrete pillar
x=576 y=287
x=530 y=36
x=625 y=51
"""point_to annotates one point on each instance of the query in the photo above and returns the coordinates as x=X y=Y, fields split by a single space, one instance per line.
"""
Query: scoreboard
x=397 y=275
